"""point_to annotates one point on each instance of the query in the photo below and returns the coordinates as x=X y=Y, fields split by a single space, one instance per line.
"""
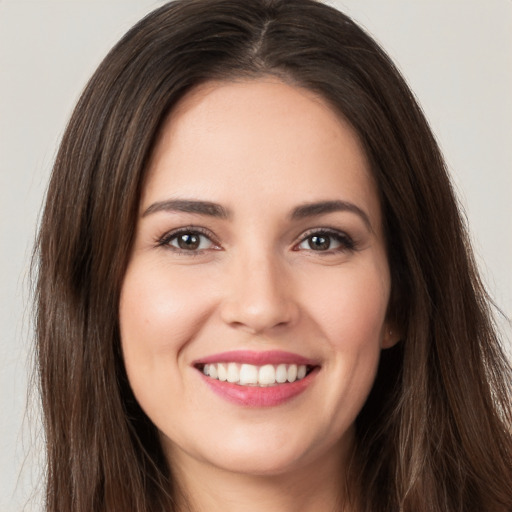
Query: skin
x=259 y=149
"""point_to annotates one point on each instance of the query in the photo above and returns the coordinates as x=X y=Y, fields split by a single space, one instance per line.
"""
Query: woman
x=255 y=288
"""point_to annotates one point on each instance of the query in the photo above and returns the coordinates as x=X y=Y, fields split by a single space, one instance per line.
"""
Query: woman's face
x=259 y=257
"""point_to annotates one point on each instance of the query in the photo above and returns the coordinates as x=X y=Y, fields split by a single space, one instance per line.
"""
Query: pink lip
x=254 y=396
x=256 y=358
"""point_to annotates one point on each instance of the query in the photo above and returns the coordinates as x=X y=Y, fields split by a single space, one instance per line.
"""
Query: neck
x=319 y=485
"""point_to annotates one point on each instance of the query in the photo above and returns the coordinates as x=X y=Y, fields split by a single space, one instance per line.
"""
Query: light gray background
x=456 y=55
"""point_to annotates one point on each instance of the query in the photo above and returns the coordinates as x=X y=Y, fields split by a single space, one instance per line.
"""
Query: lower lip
x=254 y=396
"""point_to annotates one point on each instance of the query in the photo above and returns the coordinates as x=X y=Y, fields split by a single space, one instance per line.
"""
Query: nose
x=259 y=296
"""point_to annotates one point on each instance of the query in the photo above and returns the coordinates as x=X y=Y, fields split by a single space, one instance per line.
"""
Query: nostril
x=257 y=317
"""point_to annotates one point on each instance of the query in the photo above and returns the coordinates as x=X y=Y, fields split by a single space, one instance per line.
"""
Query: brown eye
x=319 y=242
x=189 y=241
x=324 y=241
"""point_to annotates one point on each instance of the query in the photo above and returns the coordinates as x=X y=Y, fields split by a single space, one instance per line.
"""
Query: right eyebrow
x=323 y=207
x=188 y=206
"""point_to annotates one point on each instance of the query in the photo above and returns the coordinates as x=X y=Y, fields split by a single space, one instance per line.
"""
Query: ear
x=391 y=335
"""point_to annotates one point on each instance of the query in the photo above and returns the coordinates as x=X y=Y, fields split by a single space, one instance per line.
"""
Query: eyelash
x=167 y=238
x=346 y=243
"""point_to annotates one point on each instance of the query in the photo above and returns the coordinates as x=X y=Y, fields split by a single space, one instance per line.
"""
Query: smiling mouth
x=267 y=375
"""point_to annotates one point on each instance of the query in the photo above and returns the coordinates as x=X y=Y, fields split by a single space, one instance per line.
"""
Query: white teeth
x=248 y=374
x=212 y=371
x=251 y=375
x=233 y=372
x=222 y=371
x=267 y=375
x=281 y=373
x=292 y=373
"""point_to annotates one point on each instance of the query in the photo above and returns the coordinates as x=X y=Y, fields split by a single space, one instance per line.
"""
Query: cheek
x=349 y=310
x=159 y=312
x=351 y=307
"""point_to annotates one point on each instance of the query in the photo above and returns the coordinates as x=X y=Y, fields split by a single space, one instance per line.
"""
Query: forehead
x=261 y=138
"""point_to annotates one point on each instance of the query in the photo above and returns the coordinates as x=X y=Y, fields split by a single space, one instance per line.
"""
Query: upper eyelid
x=167 y=236
x=324 y=230
x=345 y=239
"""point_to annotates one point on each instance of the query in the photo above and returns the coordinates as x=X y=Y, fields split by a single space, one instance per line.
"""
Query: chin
x=262 y=462
x=264 y=452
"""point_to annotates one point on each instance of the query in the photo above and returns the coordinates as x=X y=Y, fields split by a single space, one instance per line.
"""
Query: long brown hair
x=435 y=433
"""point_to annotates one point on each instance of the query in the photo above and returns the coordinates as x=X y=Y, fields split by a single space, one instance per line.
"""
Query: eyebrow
x=216 y=210
x=324 y=207
x=188 y=206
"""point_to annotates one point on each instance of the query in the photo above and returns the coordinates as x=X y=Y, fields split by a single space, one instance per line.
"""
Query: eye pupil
x=188 y=241
x=319 y=242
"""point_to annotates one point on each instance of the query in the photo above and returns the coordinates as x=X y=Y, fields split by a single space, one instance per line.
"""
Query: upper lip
x=257 y=358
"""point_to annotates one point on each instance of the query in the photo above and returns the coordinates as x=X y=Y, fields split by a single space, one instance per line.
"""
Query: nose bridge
x=258 y=294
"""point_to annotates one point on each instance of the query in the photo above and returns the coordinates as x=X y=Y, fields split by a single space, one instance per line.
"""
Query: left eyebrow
x=189 y=206
x=323 y=207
